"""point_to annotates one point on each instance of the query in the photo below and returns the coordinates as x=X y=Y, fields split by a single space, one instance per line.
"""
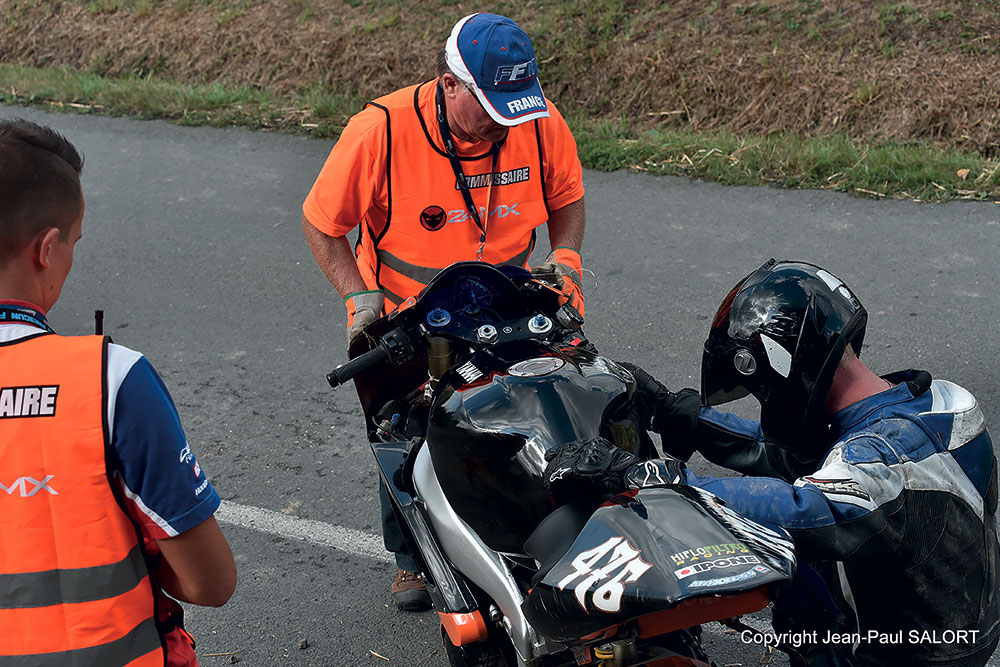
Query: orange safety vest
x=74 y=586
x=428 y=225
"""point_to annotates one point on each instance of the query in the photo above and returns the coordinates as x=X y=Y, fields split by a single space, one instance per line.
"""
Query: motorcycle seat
x=555 y=535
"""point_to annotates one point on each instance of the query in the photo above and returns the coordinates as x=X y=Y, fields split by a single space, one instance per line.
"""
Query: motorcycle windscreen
x=650 y=551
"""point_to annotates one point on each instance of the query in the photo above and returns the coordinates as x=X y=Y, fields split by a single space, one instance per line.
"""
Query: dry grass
x=919 y=71
x=884 y=100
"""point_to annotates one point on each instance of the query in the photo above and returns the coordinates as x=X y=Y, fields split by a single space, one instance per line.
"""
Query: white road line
x=322 y=534
x=366 y=545
x=350 y=541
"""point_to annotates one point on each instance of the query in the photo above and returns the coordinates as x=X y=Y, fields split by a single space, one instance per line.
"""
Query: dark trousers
x=392 y=535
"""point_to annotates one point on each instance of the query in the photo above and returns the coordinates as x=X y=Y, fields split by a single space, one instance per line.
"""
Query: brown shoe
x=409 y=592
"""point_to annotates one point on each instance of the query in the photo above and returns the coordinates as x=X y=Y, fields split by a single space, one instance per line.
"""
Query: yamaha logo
x=432 y=218
x=744 y=362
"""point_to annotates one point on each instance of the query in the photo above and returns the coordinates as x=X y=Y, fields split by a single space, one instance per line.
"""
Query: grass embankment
x=810 y=111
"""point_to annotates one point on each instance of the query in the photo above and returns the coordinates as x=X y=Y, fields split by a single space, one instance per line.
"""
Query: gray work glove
x=563 y=270
x=363 y=308
x=553 y=272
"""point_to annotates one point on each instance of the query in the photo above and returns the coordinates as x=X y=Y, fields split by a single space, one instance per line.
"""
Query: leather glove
x=363 y=308
x=585 y=468
x=673 y=415
x=597 y=467
x=655 y=472
x=563 y=268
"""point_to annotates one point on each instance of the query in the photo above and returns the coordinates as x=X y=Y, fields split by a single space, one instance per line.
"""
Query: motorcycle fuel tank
x=496 y=416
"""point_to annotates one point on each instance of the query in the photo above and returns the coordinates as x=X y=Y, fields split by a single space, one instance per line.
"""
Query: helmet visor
x=720 y=382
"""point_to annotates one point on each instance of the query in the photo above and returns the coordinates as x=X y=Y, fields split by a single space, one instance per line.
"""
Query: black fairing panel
x=648 y=551
x=488 y=436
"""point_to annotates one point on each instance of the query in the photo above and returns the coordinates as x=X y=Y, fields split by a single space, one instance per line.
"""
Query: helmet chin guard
x=779 y=335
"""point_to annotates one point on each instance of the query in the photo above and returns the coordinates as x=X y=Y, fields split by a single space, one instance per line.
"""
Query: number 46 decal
x=608 y=595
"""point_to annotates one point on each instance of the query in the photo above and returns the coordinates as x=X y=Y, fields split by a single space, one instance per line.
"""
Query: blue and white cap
x=495 y=58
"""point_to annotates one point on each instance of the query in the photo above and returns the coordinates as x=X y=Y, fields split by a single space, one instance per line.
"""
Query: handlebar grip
x=356 y=366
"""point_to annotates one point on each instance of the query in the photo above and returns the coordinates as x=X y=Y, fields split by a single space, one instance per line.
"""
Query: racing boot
x=409 y=592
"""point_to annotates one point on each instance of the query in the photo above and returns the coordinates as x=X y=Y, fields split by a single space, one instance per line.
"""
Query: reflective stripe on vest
x=41 y=589
x=424 y=274
x=131 y=650
x=427 y=225
x=74 y=587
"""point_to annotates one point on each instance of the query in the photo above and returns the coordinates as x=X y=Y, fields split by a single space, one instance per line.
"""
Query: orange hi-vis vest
x=428 y=225
x=74 y=587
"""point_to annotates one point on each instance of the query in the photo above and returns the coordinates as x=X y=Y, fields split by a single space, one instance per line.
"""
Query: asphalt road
x=192 y=247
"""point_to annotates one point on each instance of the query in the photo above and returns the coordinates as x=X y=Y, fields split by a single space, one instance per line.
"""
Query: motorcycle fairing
x=449 y=592
x=489 y=430
x=477 y=562
x=650 y=551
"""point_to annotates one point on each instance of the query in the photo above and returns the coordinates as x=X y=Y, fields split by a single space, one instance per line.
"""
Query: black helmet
x=780 y=335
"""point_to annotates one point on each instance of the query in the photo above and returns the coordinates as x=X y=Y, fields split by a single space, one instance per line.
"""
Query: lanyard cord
x=13 y=314
x=460 y=182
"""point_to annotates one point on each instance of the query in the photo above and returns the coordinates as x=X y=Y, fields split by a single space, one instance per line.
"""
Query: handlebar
x=394 y=347
x=356 y=366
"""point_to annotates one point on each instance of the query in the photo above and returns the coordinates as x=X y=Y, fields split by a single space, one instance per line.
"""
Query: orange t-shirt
x=389 y=171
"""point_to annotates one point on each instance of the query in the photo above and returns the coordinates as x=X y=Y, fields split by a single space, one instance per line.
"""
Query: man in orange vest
x=103 y=507
x=463 y=167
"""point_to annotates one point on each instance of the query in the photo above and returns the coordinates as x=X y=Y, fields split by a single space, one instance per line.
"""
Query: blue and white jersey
x=900 y=516
x=167 y=491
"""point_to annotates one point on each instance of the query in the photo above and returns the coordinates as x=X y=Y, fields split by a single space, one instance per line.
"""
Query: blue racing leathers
x=899 y=518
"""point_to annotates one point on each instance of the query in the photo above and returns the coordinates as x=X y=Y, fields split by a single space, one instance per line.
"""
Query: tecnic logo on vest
x=37 y=401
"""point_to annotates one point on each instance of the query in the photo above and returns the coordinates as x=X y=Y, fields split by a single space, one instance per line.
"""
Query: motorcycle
x=464 y=388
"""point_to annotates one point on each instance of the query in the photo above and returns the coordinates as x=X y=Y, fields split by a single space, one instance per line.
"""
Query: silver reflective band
x=141 y=640
x=392 y=296
x=27 y=590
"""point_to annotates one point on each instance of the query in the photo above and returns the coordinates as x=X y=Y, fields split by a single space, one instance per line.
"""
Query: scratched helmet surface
x=779 y=335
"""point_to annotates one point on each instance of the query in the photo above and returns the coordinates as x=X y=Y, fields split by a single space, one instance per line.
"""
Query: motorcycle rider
x=887 y=484
x=463 y=167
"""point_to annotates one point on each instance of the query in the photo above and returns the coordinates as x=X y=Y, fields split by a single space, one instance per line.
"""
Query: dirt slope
x=913 y=71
